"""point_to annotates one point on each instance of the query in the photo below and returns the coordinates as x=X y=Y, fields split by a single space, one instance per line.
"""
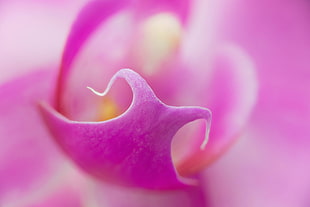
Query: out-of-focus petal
x=278 y=40
x=32 y=34
x=67 y=197
x=27 y=154
x=270 y=165
x=230 y=91
x=256 y=172
x=279 y=43
x=217 y=75
x=118 y=150
x=180 y=8
x=67 y=187
x=70 y=188
x=116 y=196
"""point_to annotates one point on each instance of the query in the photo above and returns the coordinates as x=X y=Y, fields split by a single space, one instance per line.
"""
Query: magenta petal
x=133 y=149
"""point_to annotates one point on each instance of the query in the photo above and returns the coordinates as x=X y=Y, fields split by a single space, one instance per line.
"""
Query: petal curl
x=133 y=149
x=231 y=94
x=270 y=165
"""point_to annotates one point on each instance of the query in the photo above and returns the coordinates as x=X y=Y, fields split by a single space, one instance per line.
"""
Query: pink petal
x=64 y=197
x=70 y=189
x=116 y=196
x=27 y=155
x=279 y=43
x=118 y=150
x=209 y=62
x=67 y=187
x=256 y=172
x=230 y=91
x=270 y=166
x=32 y=33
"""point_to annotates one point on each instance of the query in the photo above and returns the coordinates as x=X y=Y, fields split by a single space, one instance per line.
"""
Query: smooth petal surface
x=255 y=172
x=270 y=165
x=27 y=154
x=63 y=197
x=32 y=33
x=116 y=196
x=230 y=90
x=217 y=74
x=281 y=51
x=69 y=189
x=118 y=150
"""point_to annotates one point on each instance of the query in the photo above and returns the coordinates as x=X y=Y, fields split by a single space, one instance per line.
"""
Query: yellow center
x=107 y=109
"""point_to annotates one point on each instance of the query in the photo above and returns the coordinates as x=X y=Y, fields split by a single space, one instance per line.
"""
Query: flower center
x=108 y=109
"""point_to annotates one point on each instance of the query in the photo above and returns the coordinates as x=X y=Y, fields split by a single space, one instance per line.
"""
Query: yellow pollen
x=107 y=109
x=161 y=35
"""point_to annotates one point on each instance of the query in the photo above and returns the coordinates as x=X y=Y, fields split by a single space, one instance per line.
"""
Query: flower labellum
x=133 y=149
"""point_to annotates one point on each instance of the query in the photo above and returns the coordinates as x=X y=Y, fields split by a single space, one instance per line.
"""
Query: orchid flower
x=136 y=143
x=130 y=146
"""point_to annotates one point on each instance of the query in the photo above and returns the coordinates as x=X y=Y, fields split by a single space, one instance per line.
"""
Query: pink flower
x=116 y=150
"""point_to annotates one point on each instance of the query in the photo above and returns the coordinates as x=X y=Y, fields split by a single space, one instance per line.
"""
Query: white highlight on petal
x=160 y=38
x=205 y=141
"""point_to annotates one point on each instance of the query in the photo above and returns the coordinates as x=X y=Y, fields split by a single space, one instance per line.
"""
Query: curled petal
x=231 y=95
x=274 y=154
x=133 y=149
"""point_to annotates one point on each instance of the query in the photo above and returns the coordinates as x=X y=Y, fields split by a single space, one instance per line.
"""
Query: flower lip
x=133 y=149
